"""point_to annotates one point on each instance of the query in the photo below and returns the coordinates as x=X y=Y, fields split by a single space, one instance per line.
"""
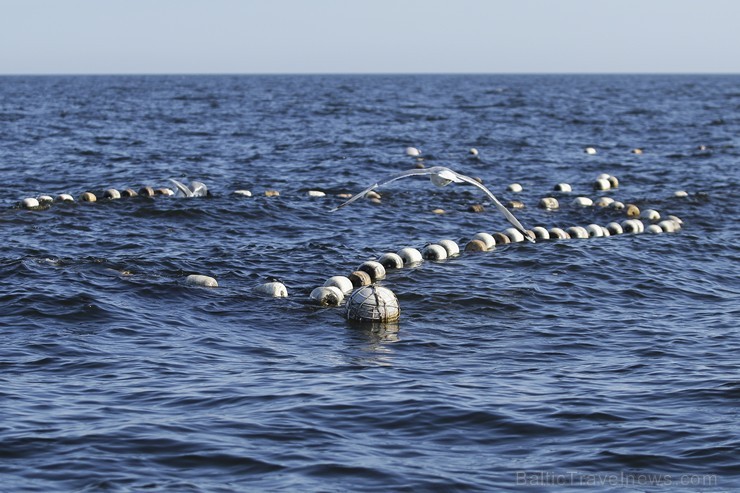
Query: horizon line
x=100 y=74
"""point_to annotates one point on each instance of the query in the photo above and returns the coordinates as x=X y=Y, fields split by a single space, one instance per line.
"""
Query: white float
x=558 y=234
x=341 y=282
x=540 y=233
x=577 y=232
x=391 y=260
x=274 y=289
x=650 y=215
x=594 y=231
x=200 y=280
x=450 y=246
x=327 y=295
x=413 y=152
x=604 y=202
x=514 y=235
x=563 y=187
x=316 y=193
x=410 y=256
x=434 y=252
x=633 y=226
x=30 y=203
x=64 y=197
x=582 y=202
x=614 y=228
x=549 y=203
x=515 y=187
x=374 y=269
x=486 y=238
x=243 y=193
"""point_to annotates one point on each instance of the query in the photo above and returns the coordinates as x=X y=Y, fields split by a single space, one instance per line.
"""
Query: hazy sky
x=348 y=36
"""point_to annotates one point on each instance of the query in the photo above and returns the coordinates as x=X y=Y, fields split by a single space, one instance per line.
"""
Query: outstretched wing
x=502 y=209
x=403 y=174
x=182 y=188
x=199 y=189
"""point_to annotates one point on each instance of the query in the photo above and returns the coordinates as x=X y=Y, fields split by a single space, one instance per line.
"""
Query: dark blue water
x=531 y=367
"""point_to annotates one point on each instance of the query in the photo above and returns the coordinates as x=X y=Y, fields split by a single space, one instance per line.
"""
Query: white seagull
x=197 y=189
x=441 y=176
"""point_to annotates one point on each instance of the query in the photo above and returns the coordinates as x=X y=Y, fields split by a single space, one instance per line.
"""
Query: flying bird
x=441 y=176
x=197 y=189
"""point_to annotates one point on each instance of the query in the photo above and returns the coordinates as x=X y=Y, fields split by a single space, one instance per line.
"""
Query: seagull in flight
x=197 y=189
x=441 y=176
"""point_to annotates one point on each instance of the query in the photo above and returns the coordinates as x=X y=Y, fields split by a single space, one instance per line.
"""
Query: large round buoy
x=200 y=280
x=327 y=295
x=410 y=256
x=391 y=261
x=341 y=282
x=373 y=304
x=374 y=269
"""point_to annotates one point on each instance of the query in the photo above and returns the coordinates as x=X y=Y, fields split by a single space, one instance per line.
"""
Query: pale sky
x=368 y=36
